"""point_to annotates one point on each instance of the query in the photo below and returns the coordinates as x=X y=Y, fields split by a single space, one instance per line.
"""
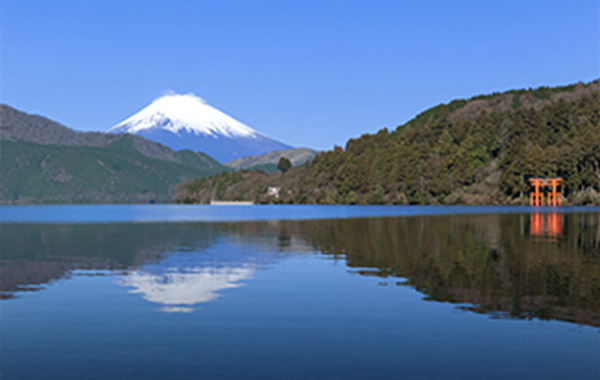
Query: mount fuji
x=188 y=122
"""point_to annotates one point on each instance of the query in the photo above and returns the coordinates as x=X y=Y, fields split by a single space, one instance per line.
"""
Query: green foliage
x=452 y=154
x=498 y=152
x=284 y=165
x=115 y=173
x=516 y=100
x=265 y=168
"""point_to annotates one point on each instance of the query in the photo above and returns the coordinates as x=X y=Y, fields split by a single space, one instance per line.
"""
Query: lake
x=299 y=292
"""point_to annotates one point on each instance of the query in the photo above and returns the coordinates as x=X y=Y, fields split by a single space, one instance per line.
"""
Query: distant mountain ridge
x=16 y=125
x=297 y=156
x=46 y=162
x=188 y=122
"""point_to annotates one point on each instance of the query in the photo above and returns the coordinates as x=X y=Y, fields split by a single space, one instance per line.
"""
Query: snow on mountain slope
x=188 y=122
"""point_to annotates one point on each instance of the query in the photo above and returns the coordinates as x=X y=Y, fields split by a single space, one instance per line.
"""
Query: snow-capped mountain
x=188 y=122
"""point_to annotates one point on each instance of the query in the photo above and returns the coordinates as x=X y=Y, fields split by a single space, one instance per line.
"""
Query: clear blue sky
x=309 y=73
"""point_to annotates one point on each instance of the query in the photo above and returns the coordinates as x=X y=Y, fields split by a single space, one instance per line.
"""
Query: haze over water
x=348 y=292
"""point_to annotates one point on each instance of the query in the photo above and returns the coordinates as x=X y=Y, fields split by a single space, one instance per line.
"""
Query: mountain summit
x=188 y=122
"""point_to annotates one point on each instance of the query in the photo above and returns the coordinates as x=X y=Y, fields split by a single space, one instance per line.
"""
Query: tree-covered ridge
x=45 y=162
x=480 y=151
x=500 y=148
x=505 y=101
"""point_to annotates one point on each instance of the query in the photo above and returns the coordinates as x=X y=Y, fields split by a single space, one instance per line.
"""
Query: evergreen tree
x=284 y=164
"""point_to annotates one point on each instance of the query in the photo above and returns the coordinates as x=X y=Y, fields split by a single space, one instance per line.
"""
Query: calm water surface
x=179 y=292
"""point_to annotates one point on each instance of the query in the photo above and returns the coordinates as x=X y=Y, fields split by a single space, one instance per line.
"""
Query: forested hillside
x=476 y=151
x=45 y=162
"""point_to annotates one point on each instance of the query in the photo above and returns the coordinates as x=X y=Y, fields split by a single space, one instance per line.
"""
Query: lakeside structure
x=231 y=203
x=536 y=197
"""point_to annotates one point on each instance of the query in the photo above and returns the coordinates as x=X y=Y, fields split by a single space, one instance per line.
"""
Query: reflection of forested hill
x=490 y=261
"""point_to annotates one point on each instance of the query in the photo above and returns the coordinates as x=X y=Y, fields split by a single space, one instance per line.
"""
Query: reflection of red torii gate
x=545 y=225
x=536 y=197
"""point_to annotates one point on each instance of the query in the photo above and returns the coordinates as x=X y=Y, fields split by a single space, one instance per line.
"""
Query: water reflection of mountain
x=493 y=262
x=181 y=289
x=171 y=254
x=39 y=253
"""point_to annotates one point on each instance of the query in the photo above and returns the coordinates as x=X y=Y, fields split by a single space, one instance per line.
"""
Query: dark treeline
x=480 y=151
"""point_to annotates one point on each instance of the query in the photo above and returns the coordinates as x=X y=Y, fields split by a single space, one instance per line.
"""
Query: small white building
x=273 y=191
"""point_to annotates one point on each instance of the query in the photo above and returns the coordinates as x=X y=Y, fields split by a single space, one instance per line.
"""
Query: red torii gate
x=554 y=198
x=536 y=197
